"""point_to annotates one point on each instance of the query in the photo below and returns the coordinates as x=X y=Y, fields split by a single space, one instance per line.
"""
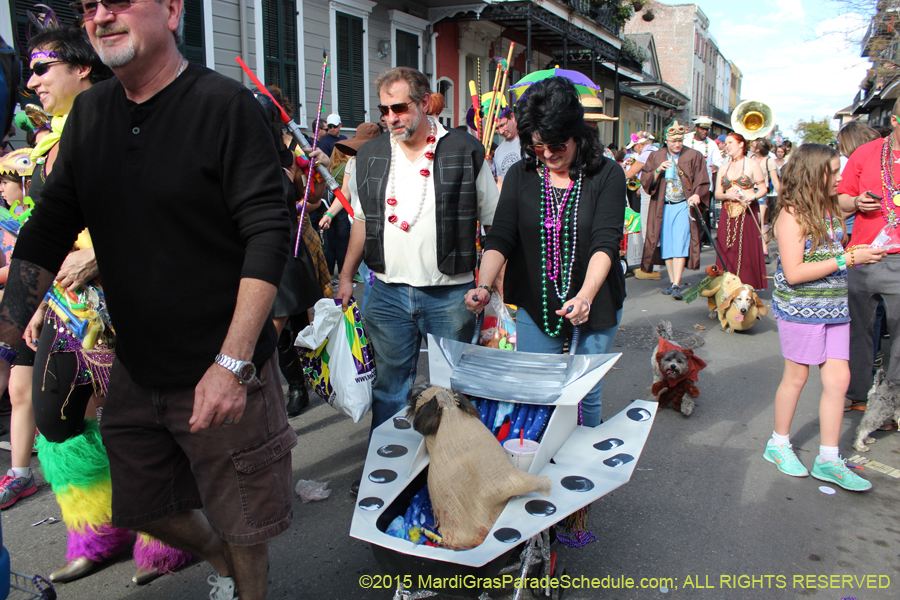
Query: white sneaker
x=222 y=588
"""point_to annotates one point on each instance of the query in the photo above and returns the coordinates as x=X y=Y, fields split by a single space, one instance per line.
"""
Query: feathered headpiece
x=39 y=21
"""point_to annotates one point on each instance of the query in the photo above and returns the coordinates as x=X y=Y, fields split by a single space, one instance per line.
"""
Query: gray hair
x=178 y=34
x=418 y=83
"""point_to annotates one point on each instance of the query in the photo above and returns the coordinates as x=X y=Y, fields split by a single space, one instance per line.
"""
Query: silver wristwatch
x=244 y=370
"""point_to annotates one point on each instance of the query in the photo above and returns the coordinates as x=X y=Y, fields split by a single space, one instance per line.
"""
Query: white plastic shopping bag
x=337 y=357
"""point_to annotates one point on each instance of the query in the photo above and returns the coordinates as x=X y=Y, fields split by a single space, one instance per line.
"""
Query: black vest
x=457 y=162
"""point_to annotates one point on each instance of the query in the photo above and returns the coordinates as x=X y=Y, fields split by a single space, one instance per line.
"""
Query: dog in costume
x=675 y=372
x=735 y=304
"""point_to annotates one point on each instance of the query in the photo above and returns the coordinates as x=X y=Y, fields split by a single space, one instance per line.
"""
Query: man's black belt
x=679 y=202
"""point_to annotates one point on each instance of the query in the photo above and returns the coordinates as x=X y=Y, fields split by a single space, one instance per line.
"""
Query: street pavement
x=703 y=508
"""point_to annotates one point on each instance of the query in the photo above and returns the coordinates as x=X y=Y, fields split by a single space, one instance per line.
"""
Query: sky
x=801 y=57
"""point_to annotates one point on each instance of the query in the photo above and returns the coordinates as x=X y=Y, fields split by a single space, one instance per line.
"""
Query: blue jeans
x=398 y=316
x=531 y=338
x=365 y=272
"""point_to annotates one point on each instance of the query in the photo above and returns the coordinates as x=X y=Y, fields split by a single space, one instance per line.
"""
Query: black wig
x=551 y=109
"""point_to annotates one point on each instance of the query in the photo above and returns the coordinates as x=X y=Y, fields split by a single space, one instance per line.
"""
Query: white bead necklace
x=392 y=196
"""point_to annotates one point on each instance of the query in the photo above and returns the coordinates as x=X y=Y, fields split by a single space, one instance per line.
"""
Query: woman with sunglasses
x=558 y=227
x=69 y=381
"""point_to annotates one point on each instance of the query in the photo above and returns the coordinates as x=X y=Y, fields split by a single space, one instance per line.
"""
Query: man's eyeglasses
x=398 y=108
x=40 y=68
x=553 y=148
x=88 y=8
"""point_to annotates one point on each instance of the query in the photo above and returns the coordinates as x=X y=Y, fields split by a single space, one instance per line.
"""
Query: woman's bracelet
x=842 y=262
x=583 y=300
x=856 y=203
x=329 y=215
x=851 y=259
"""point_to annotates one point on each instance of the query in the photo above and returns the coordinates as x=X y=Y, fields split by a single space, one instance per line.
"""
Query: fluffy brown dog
x=675 y=370
x=470 y=478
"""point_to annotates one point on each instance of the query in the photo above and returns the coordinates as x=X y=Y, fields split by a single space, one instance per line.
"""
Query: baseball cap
x=721 y=138
x=333 y=119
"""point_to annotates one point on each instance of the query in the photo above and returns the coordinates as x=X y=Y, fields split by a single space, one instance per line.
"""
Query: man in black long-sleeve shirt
x=173 y=170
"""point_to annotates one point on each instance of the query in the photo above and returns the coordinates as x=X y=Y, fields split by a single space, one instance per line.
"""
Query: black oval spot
x=639 y=414
x=392 y=451
x=608 y=444
x=401 y=423
x=618 y=460
x=507 y=535
x=576 y=483
x=371 y=503
x=382 y=476
x=540 y=508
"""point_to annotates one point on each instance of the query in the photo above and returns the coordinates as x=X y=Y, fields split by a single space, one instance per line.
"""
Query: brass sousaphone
x=752 y=119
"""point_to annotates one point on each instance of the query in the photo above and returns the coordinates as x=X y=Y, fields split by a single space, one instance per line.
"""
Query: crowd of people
x=182 y=434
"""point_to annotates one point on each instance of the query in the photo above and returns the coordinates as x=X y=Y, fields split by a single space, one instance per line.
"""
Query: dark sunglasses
x=40 y=68
x=553 y=148
x=398 y=109
x=88 y=8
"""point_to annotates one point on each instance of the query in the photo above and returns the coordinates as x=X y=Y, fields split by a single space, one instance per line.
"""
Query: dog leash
x=710 y=237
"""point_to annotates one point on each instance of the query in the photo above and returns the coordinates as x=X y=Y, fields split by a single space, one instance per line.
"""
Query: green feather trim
x=80 y=461
x=693 y=292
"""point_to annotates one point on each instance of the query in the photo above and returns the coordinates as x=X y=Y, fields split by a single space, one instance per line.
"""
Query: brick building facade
x=691 y=62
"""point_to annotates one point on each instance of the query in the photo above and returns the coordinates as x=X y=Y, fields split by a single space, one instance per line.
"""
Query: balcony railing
x=589 y=10
x=719 y=115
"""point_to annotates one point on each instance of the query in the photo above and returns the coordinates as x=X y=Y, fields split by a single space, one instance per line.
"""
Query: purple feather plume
x=150 y=552
x=97 y=544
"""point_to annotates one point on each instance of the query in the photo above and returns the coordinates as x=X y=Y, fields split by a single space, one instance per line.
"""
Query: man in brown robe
x=690 y=167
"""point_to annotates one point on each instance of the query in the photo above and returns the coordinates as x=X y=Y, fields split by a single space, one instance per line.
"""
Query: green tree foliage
x=815 y=131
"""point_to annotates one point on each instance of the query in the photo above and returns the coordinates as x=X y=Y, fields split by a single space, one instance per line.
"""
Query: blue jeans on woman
x=532 y=338
x=398 y=316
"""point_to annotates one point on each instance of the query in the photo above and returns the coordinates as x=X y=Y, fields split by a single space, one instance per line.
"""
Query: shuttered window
x=351 y=88
x=407 y=45
x=192 y=46
x=280 y=46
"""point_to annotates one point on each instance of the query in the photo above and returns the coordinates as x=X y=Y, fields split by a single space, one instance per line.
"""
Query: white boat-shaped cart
x=587 y=463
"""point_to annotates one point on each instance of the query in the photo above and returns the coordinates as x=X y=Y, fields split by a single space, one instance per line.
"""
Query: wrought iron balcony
x=589 y=10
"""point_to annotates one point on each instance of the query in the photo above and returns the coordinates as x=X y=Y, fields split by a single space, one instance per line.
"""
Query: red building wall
x=447 y=53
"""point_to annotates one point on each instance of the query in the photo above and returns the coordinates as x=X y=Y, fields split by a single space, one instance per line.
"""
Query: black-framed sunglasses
x=88 y=8
x=40 y=68
x=553 y=148
x=398 y=109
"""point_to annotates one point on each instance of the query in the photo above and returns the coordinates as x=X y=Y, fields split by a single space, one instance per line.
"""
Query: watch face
x=247 y=371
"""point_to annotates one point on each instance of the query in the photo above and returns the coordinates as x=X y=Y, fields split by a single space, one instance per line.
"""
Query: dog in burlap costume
x=470 y=478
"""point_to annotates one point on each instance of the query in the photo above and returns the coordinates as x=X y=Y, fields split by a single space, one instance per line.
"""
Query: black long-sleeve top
x=183 y=197
x=516 y=234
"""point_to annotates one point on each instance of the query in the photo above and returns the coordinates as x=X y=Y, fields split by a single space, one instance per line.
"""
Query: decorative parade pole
x=309 y=175
x=498 y=108
x=476 y=106
x=295 y=132
x=487 y=119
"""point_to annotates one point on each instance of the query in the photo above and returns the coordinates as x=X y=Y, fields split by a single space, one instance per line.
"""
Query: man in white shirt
x=417 y=193
x=699 y=140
